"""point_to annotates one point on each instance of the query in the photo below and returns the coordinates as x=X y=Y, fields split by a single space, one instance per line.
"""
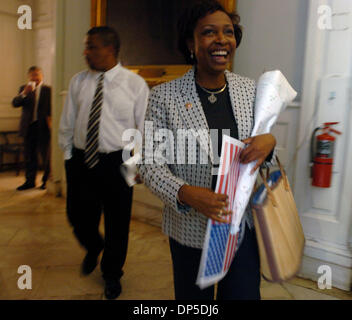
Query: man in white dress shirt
x=101 y=103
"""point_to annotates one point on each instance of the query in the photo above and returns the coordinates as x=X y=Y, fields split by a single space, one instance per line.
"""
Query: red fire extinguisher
x=322 y=155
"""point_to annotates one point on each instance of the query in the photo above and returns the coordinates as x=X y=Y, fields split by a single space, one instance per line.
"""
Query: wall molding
x=6 y=100
x=339 y=259
x=9 y=117
x=295 y=104
x=8 y=112
x=43 y=24
x=11 y=14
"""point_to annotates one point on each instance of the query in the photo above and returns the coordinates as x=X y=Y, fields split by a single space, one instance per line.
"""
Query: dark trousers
x=242 y=282
x=91 y=192
x=35 y=143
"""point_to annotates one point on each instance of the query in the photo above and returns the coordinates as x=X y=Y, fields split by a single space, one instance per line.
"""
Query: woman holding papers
x=185 y=121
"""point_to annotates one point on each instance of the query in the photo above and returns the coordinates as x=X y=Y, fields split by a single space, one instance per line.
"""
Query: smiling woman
x=207 y=98
x=211 y=46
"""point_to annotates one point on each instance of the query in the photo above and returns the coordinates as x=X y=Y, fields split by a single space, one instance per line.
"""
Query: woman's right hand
x=206 y=201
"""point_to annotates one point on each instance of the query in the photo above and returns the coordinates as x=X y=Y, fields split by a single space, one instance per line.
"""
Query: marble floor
x=34 y=232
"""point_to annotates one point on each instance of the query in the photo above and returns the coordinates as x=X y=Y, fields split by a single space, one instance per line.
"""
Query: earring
x=192 y=55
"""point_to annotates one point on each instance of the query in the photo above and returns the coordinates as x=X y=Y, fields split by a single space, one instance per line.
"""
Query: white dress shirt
x=37 y=90
x=37 y=96
x=125 y=99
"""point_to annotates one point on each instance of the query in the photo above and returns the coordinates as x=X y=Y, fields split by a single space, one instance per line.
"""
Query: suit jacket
x=175 y=105
x=43 y=112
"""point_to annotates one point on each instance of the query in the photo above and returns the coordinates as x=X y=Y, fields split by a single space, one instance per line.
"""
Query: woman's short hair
x=189 y=18
x=108 y=35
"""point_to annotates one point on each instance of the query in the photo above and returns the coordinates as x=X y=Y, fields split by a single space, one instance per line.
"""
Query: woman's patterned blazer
x=170 y=161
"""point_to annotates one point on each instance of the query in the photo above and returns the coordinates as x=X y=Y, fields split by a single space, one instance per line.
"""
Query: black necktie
x=91 y=156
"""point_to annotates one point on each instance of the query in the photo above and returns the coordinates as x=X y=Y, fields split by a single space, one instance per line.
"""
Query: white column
x=72 y=21
x=44 y=37
x=326 y=213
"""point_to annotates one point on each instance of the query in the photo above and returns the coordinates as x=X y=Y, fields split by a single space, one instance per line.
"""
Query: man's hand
x=206 y=201
x=27 y=89
x=138 y=179
x=49 y=122
x=259 y=147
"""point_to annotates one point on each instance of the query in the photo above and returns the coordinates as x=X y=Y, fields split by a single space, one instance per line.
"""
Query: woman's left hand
x=259 y=147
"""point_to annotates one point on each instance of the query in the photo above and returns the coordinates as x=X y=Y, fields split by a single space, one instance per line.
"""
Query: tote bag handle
x=265 y=181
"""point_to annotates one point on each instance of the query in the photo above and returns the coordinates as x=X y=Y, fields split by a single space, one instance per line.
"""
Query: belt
x=81 y=151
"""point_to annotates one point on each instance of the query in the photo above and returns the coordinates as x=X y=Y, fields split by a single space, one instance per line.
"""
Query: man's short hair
x=108 y=35
x=34 y=68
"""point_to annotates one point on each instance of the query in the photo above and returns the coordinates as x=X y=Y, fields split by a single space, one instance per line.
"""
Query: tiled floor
x=34 y=232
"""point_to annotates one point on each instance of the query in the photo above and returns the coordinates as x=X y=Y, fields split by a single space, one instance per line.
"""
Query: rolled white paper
x=273 y=94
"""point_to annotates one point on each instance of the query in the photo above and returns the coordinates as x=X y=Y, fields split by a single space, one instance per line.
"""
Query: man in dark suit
x=35 y=100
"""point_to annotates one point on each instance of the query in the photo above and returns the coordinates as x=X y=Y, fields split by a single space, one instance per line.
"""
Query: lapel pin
x=188 y=105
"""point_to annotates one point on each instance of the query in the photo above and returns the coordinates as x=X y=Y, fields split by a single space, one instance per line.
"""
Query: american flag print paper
x=220 y=244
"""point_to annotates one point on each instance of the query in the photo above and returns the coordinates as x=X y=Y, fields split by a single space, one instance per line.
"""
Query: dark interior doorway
x=147 y=29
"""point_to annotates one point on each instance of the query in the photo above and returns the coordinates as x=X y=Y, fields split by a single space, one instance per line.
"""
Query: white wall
x=326 y=213
x=16 y=53
x=273 y=38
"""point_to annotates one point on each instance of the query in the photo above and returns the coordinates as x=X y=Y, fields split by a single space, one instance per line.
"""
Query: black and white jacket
x=173 y=106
